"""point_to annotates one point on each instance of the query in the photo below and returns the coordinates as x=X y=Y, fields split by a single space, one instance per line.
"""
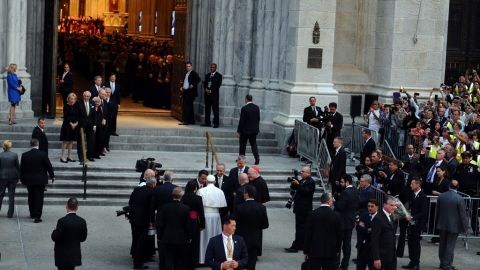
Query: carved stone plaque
x=315 y=58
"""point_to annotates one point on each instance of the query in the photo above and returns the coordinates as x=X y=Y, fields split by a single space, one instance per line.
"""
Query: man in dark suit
x=71 y=230
x=323 y=236
x=201 y=180
x=333 y=125
x=34 y=166
x=211 y=84
x=313 y=114
x=251 y=220
x=383 y=237
x=346 y=205
x=430 y=165
x=451 y=220
x=97 y=85
x=395 y=179
x=141 y=220
x=302 y=206
x=163 y=193
x=86 y=121
x=39 y=134
x=338 y=165
x=233 y=254
x=248 y=127
x=238 y=195
x=174 y=230
x=189 y=93
x=411 y=162
x=364 y=229
x=235 y=172
x=115 y=100
x=225 y=184
x=418 y=206
x=66 y=82
x=366 y=193
x=369 y=145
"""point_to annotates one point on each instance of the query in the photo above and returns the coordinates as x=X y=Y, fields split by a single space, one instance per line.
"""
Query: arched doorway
x=142 y=25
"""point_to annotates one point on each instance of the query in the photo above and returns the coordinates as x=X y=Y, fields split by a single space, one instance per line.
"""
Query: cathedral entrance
x=141 y=42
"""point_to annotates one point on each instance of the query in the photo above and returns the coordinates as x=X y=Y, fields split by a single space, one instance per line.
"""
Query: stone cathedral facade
x=273 y=50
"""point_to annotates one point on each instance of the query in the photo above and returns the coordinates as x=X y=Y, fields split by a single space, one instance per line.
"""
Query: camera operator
x=333 y=124
x=379 y=170
x=313 y=114
x=141 y=220
x=302 y=206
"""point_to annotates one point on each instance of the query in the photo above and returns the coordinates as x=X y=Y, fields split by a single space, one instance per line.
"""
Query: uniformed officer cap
x=466 y=154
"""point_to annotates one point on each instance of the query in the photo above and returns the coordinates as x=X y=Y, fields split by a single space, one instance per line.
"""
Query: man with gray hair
x=366 y=193
x=140 y=220
x=238 y=194
x=213 y=200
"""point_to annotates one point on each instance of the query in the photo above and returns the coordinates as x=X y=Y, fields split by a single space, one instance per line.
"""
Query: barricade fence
x=357 y=142
x=308 y=140
x=323 y=163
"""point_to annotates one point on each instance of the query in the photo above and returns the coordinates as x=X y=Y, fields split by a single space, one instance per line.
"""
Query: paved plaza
x=25 y=245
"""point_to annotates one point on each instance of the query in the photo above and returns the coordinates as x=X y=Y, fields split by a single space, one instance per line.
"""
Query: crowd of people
x=143 y=67
x=194 y=225
x=82 y=25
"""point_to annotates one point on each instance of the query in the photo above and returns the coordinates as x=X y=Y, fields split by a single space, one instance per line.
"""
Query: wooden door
x=179 y=51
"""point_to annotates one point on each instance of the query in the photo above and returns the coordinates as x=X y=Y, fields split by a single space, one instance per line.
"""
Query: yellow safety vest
x=460 y=149
x=433 y=151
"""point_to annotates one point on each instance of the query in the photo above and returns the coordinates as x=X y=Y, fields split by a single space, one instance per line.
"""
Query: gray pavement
x=26 y=245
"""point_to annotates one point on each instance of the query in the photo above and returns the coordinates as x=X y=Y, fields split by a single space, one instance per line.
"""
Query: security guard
x=468 y=176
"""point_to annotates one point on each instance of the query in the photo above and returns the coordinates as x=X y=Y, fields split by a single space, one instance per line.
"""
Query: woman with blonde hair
x=14 y=89
x=68 y=132
x=9 y=174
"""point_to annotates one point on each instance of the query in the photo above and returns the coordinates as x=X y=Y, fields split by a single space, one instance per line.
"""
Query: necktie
x=229 y=248
x=113 y=87
x=371 y=217
x=87 y=108
x=431 y=173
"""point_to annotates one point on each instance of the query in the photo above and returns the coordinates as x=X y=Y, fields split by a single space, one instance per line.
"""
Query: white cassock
x=213 y=199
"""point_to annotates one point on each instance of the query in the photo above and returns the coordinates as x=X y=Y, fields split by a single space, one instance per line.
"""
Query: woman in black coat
x=9 y=175
x=68 y=133
x=99 y=128
x=197 y=217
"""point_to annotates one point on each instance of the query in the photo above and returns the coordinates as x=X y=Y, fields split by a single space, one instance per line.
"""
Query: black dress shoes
x=140 y=267
x=216 y=126
x=37 y=220
x=257 y=162
x=63 y=161
x=91 y=159
x=478 y=253
x=291 y=250
x=410 y=266
x=114 y=134
x=70 y=160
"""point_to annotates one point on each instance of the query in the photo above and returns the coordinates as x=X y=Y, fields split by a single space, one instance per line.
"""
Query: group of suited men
x=177 y=217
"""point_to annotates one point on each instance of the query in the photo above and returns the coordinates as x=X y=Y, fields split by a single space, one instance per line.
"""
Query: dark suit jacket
x=93 y=90
x=195 y=203
x=396 y=182
x=308 y=114
x=162 y=195
x=228 y=188
x=337 y=122
x=71 y=230
x=140 y=206
x=34 y=167
x=249 y=120
x=115 y=95
x=363 y=236
x=367 y=149
x=346 y=205
x=173 y=223
x=193 y=79
x=364 y=196
x=42 y=139
x=382 y=239
x=302 y=203
x=419 y=209
x=338 y=165
x=215 y=254
x=451 y=213
x=9 y=166
x=233 y=176
x=323 y=234
x=67 y=85
x=216 y=82
x=251 y=220
x=412 y=166
x=85 y=121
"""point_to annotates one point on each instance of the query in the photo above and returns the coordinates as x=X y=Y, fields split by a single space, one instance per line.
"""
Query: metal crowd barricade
x=323 y=164
x=308 y=141
x=357 y=142
x=398 y=139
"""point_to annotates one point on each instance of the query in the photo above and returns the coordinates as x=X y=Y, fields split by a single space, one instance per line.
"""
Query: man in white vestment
x=213 y=199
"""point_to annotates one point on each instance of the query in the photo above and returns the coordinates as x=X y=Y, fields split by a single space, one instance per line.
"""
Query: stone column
x=244 y=52
x=16 y=29
x=257 y=86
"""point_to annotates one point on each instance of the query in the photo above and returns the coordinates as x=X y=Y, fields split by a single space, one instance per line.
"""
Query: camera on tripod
x=147 y=163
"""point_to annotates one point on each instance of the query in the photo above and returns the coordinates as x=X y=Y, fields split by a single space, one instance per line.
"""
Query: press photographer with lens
x=303 y=188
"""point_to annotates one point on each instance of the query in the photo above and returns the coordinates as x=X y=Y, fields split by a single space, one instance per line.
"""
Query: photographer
x=333 y=124
x=141 y=221
x=379 y=170
x=302 y=206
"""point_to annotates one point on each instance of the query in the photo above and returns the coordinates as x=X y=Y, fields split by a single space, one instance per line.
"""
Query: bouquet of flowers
x=401 y=212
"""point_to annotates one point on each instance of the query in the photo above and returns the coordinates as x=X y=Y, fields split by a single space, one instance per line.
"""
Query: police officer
x=302 y=206
x=468 y=176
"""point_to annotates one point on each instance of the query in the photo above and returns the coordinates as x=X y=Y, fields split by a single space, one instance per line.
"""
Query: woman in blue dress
x=14 y=89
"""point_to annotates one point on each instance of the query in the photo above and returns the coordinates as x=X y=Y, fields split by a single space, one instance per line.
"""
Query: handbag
x=23 y=90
